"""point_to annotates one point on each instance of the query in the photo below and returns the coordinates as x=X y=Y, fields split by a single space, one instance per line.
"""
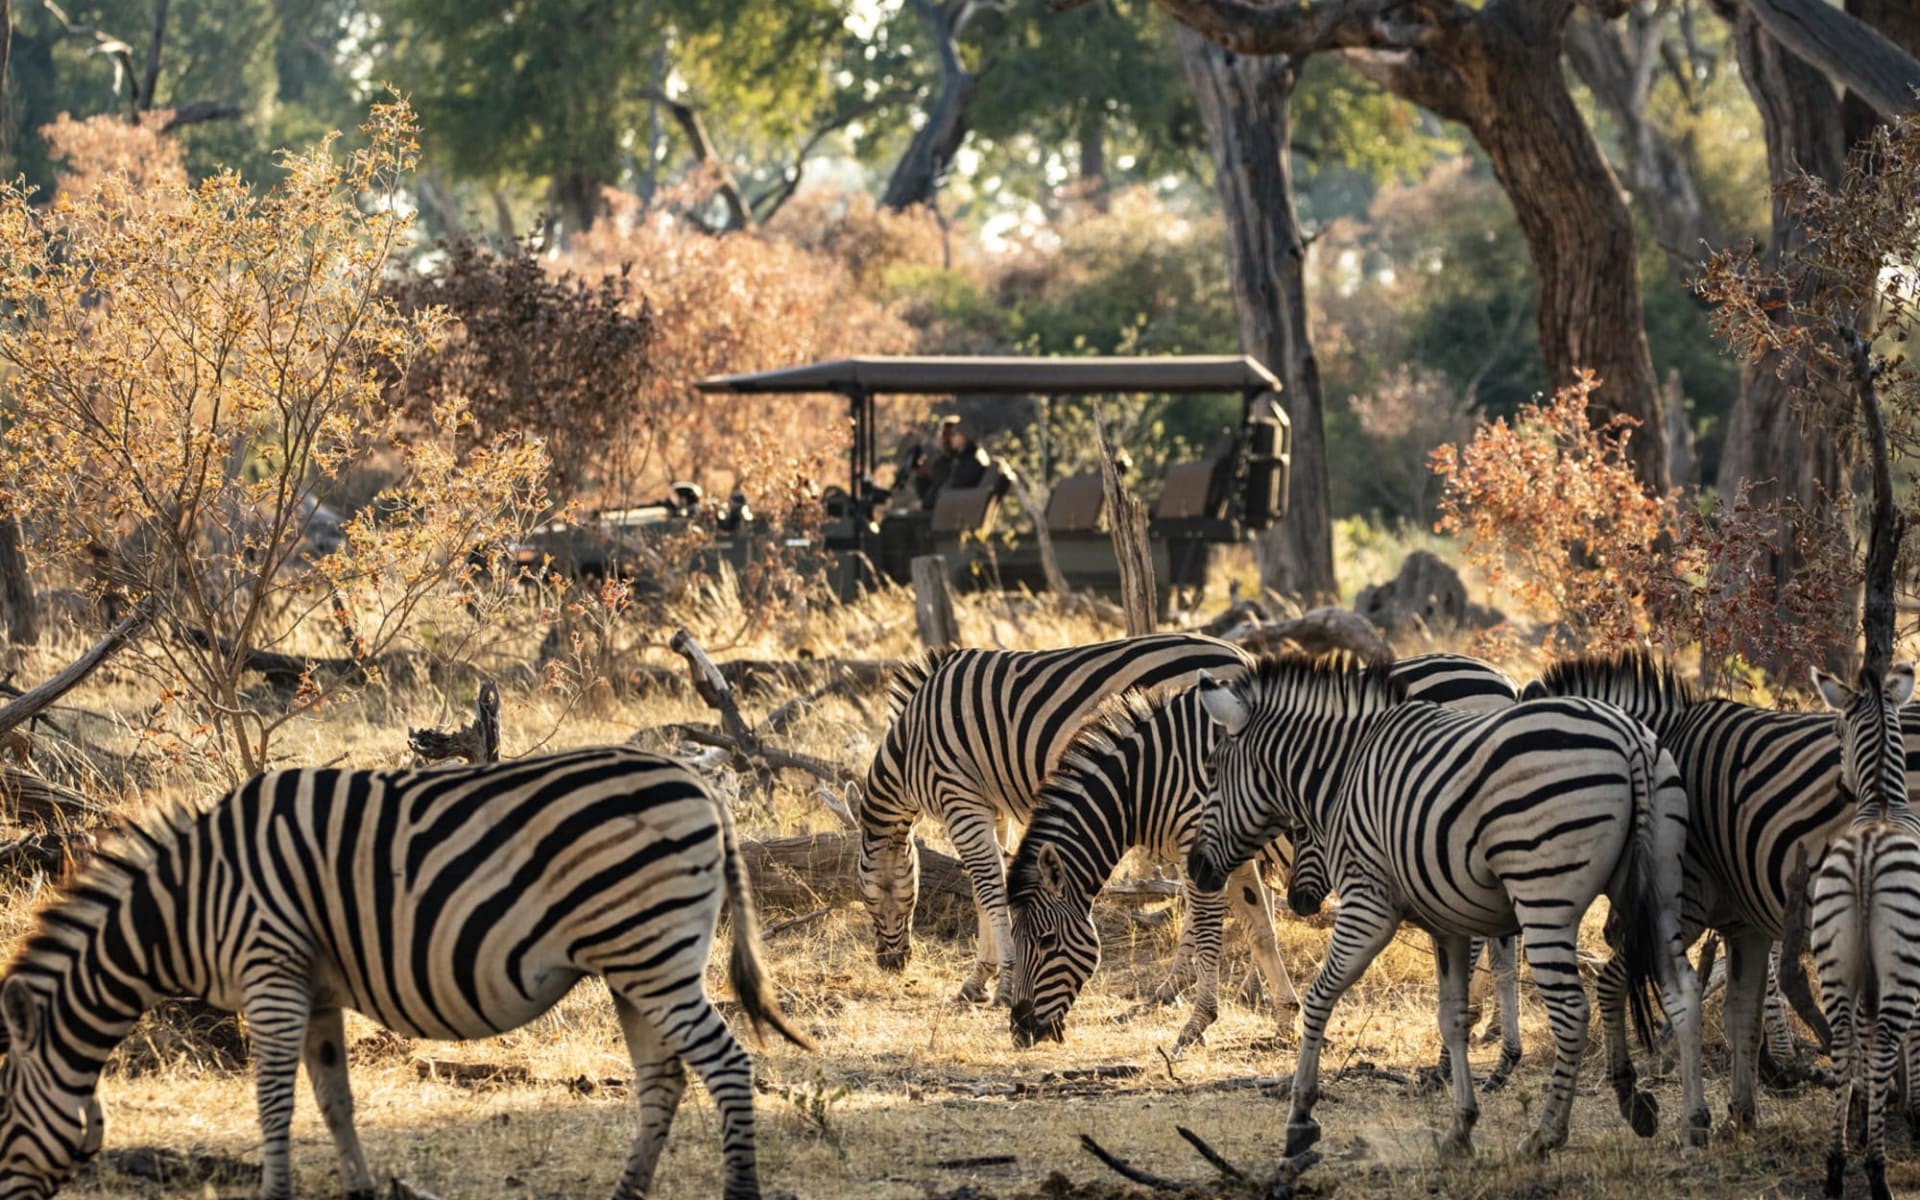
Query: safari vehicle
x=1237 y=487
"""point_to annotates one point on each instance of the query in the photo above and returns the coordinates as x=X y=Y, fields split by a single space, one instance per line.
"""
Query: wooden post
x=1127 y=518
x=933 y=603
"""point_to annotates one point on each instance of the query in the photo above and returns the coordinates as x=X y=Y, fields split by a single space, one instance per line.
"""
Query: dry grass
x=905 y=1080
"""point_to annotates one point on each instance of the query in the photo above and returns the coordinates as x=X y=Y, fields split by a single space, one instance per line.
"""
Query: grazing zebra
x=972 y=735
x=1763 y=787
x=456 y=902
x=1468 y=826
x=1866 y=903
x=1135 y=776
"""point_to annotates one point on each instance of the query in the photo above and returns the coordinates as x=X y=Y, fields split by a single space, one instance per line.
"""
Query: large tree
x=1495 y=69
x=1245 y=103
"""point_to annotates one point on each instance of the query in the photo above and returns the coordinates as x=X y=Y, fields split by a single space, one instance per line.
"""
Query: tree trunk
x=1243 y=101
x=1577 y=228
x=16 y=587
x=1093 y=158
x=916 y=177
x=1618 y=61
x=576 y=200
x=1769 y=446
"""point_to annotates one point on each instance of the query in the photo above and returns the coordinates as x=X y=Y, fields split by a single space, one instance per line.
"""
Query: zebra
x=1763 y=788
x=451 y=902
x=1135 y=776
x=1866 y=900
x=1467 y=825
x=972 y=734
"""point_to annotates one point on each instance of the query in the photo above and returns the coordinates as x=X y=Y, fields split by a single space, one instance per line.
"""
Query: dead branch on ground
x=478 y=742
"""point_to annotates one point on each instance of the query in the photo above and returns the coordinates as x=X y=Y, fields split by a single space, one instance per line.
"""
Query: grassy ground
x=907 y=1086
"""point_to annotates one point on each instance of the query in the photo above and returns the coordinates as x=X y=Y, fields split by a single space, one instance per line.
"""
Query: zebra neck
x=97 y=959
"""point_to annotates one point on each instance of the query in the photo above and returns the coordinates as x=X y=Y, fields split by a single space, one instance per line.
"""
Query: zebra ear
x=1051 y=872
x=1899 y=686
x=22 y=1012
x=1833 y=693
x=1223 y=704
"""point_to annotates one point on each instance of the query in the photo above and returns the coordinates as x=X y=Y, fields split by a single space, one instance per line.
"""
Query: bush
x=191 y=369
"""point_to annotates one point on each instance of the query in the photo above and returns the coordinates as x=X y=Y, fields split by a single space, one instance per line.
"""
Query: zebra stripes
x=972 y=736
x=1468 y=826
x=1136 y=776
x=1866 y=911
x=1763 y=790
x=448 y=903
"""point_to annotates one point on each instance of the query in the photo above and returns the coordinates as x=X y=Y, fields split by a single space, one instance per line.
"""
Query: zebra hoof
x=1456 y=1147
x=1643 y=1113
x=1877 y=1179
x=1301 y=1135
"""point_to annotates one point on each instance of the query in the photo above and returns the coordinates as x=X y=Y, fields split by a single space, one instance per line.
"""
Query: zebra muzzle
x=93 y=1129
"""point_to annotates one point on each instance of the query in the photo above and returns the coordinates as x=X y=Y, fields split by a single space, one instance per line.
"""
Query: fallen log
x=754 y=677
x=800 y=874
x=1316 y=632
x=37 y=699
x=478 y=742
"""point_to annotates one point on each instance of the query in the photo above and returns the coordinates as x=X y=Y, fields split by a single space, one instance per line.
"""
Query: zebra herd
x=463 y=902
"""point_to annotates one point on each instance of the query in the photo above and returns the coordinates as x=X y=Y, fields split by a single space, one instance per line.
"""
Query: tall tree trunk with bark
x=916 y=177
x=1244 y=102
x=1496 y=70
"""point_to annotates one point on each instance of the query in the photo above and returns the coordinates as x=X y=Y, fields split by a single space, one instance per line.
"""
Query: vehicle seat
x=1199 y=488
x=1076 y=504
x=968 y=510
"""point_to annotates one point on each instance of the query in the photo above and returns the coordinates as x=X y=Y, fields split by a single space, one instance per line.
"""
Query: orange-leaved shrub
x=190 y=372
x=1548 y=507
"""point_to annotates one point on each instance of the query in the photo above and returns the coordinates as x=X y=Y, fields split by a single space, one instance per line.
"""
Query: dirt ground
x=909 y=1094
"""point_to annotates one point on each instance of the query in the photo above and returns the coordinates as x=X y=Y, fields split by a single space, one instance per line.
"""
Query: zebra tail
x=1634 y=924
x=744 y=969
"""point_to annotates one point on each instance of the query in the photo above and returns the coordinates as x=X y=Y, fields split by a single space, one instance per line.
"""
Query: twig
x=1126 y=1170
x=978 y=1160
x=1168 y=1060
x=1207 y=1152
x=796 y=921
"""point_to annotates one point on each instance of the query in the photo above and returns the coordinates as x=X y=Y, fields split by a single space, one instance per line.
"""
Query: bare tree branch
x=1245 y=27
x=37 y=699
x=1846 y=48
x=143 y=99
x=196 y=111
x=739 y=213
x=104 y=43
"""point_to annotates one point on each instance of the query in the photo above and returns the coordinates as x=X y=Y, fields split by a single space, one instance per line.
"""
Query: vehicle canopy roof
x=922 y=375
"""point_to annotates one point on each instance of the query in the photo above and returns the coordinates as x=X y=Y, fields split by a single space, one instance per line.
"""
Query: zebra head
x=890 y=884
x=1873 y=754
x=1055 y=946
x=46 y=1127
x=1310 y=881
x=1244 y=813
x=889 y=858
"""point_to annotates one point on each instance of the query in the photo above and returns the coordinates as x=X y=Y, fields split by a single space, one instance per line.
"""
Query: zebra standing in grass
x=1763 y=787
x=972 y=735
x=456 y=902
x=1135 y=776
x=1470 y=826
x=1866 y=904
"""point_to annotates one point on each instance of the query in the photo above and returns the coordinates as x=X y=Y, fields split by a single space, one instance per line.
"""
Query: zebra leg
x=1442 y=1073
x=1680 y=1000
x=973 y=833
x=325 y=1054
x=1363 y=928
x=1779 y=1059
x=689 y=1029
x=1890 y=1035
x=277 y=1012
x=1206 y=913
x=1846 y=1062
x=1253 y=904
x=1454 y=956
x=1503 y=956
x=1746 y=980
x=1183 y=972
x=1639 y=1108
x=1551 y=941
x=658 y=1083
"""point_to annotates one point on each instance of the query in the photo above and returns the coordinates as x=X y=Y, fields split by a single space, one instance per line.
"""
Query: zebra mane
x=64 y=919
x=1338 y=679
x=1116 y=719
x=910 y=674
x=1633 y=681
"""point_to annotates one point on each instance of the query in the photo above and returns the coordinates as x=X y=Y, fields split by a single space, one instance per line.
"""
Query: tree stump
x=1127 y=519
x=933 y=603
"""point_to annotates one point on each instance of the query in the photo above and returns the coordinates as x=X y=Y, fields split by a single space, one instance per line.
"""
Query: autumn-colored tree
x=190 y=368
x=1548 y=506
x=537 y=351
